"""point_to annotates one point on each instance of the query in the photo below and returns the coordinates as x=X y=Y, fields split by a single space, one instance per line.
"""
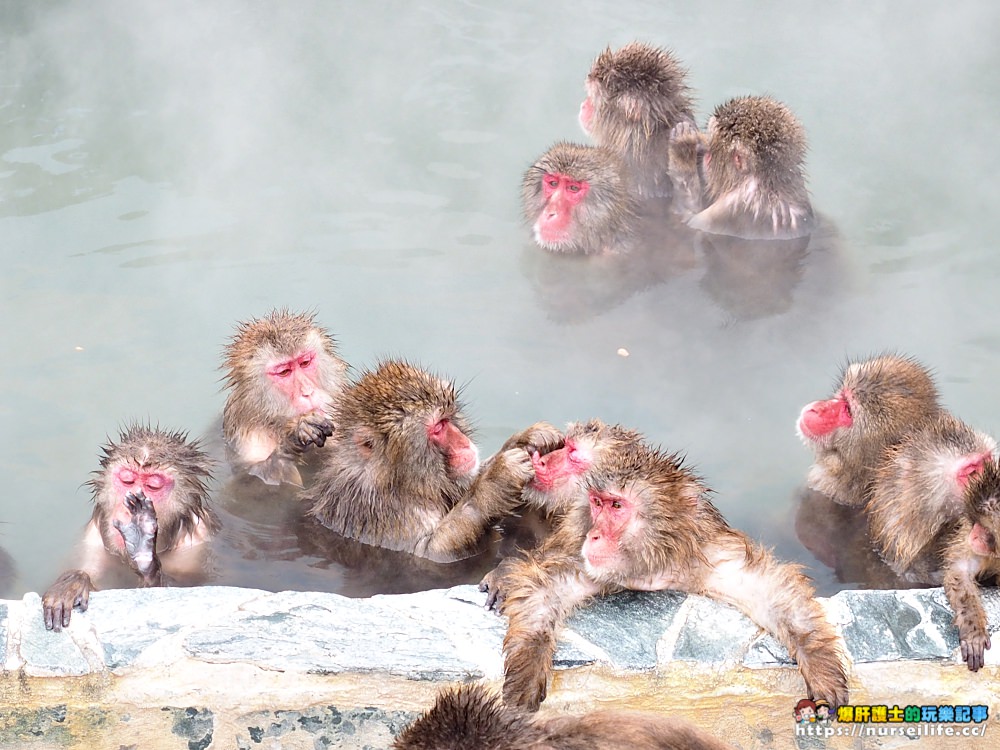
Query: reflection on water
x=168 y=169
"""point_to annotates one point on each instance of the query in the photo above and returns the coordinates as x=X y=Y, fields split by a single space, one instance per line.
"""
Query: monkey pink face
x=611 y=513
x=460 y=453
x=982 y=541
x=562 y=195
x=554 y=470
x=156 y=484
x=297 y=380
x=821 y=418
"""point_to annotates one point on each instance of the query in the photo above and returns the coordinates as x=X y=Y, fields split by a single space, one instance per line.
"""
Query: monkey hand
x=493 y=584
x=312 y=429
x=140 y=533
x=71 y=589
x=541 y=437
x=974 y=647
x=525 y=680
x=515 y=465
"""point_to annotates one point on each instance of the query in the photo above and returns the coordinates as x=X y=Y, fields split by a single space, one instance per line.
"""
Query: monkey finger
x=49 y=616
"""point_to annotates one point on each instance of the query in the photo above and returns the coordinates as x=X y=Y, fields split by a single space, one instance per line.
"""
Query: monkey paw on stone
x=140 y=532
x=313 y=429
x=974 y=648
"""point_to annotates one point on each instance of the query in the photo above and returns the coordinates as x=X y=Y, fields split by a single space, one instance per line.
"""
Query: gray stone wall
x=238 y=668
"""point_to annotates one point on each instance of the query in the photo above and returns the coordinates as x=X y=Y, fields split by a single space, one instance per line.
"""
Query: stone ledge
x=217 y=667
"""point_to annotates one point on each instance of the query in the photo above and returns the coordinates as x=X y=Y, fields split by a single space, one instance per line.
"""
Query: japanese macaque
x=971 y=553
x=754 y=169
x=150 y=497
x=470 y=717
x=919 y=490
x=283 y=373
x=688 y=146
x=404 y=473
x=577 y=201
x=635 y=96
x=877 y=403
x=643 y=521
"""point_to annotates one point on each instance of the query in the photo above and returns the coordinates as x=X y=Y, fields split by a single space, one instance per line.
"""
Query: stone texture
x=626 y=627
x=713 y=633
x=892 y=625
x=322 y=727
x=210 y=668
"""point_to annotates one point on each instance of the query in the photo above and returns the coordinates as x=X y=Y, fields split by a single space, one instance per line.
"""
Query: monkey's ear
x=739 y=158
x=364 y=439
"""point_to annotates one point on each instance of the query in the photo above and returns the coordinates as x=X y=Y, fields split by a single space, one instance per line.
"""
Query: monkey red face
x=821 y=418
x=562 y=195
x=554 y=470
x=611 y=513
x=460 y=453
x=297 y=379
x=156 y=484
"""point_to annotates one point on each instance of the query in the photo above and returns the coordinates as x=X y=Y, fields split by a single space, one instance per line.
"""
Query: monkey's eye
x=616 y=504
x=553 y=182
x=155 y=481
x=282 y=372
x=595 y=501
x=126 y=477
x=439 y=427
x=305 y=361
x=573 y=188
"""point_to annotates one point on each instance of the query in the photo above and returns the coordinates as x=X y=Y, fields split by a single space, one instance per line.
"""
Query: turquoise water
x=169 y=169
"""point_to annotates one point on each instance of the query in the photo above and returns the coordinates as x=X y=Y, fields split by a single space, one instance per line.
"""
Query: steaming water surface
x=170 y=169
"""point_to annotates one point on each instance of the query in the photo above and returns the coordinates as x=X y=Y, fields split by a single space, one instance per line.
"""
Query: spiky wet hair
x=766 y=128
x=150 y=447
x=887 y=383
x=469 y=717
x=279 y=333
x=644 y=83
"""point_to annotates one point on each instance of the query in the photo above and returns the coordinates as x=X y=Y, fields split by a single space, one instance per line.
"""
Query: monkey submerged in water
x=635 y=96
x=576 y=200
x=637 y=518
x=876 y=404
x=283 y=373
x=404 y=474
x=150 y=497
x=471 y=718
x=752 y=160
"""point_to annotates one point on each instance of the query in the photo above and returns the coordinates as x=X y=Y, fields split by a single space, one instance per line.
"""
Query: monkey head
x=753 y=136
x=643 y=506
x=280 y=367
x=576 y=199
x=982 y=507
x=878 y=397
x=409 y=422
x=559 y=475
x=169 y=470
x=632 y=93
